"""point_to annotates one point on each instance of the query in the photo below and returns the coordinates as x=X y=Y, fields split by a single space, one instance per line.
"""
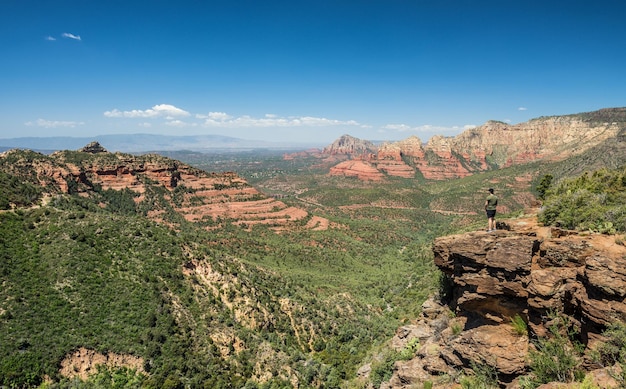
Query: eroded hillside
x=161 y=187
x=108 y=273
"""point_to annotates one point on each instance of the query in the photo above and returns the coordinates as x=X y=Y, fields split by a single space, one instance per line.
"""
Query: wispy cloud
x=50 y=38
x=71 y=36
x=426 y=129
x=215 y=119
x=161 y=110
x=217 y=116
x=180 y=124
x=221 y=119
x=522 y=109
x=53 y=123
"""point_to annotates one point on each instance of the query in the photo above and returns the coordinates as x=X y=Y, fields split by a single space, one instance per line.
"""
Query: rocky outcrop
x=93 y=148
x=347 y=144
x=359 y=169
x=490 y=146
x=528 y=271
x=85 y=362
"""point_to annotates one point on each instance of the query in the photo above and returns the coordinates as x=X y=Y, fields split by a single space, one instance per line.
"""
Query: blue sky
x=303 y=71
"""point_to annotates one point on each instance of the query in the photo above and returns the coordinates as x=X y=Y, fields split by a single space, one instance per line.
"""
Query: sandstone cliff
x=530 y=271
x=159 y=184
x=491 y=146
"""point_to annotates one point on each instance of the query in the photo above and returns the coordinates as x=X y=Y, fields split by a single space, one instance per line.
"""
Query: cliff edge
x=538 y=274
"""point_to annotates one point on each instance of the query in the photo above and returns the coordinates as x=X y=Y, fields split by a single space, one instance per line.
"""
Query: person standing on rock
x=490 y=208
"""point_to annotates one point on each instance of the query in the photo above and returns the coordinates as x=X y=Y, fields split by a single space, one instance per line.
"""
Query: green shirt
x=492 y=202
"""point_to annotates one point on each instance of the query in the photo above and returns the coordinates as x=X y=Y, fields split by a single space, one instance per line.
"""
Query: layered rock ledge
x=528 y=270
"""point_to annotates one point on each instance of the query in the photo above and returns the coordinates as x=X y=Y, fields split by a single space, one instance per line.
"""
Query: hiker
x=490 y=207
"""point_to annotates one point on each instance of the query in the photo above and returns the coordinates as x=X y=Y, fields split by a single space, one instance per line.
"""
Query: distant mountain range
x=598 y=137
x=141 y=143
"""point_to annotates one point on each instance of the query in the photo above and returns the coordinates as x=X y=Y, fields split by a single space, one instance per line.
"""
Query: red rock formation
x=528 y=271
x=347 y=144
x=396 y=168
x=359 y=169
x=492 y=145
x=197 y=195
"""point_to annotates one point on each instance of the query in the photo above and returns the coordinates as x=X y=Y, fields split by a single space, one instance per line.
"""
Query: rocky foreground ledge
x=528 y=270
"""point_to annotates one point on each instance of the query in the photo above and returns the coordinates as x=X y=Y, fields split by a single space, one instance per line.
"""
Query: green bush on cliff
x=612 y=351
x=555 y=357
x=485 y=377
x=382 y=369
x=593 y=201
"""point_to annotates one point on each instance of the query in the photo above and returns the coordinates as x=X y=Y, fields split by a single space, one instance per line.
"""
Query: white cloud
x=426 y=129
x=422 y=128
x=180 y=124
x=522 y=109
x=71 y=36
x=217 y=116
x=172 y=117
x=397 y=127
x=221 y=119
x=53 y=123
x=161 y=110
x=50 y=38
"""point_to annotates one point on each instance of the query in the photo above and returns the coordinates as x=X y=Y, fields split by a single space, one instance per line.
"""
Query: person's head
x=490 y=190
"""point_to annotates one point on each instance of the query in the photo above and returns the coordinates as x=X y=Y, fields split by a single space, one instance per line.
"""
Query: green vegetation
x=382 y=368
x=15 y=192
x=556 y=357
x=211 y=304
x=519 y=325
x=612 y=352
x=544 y=185
x=593 y=201
x=409 y=351
x=89 y=270
x=79 y=279
x=484 y=376
x=119 y=378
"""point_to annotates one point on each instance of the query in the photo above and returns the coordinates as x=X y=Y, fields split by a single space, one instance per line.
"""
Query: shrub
x=593 y=201
x=383 y=369
x=544 y=185
x=456 y=328
x=408 y=352
x=613 y=350
x=485 y=377
x=555 y=358
x=519 y=325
